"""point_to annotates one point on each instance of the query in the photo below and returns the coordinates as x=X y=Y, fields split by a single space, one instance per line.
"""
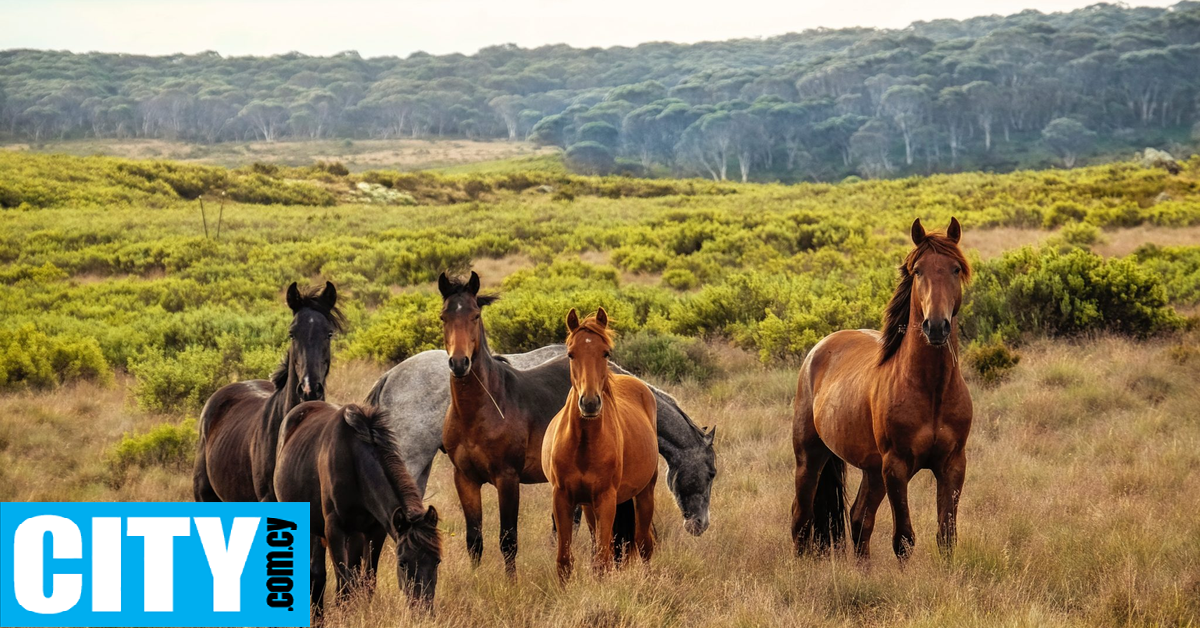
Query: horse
x=239 y=425
x=416 y=393
x=890 y=403
x=496 y=420
x=599 y=449
x=344 y=463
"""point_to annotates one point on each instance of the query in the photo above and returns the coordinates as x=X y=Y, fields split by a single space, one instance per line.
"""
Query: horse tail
x=377 y=391
x=624 y=528
x=829 y=505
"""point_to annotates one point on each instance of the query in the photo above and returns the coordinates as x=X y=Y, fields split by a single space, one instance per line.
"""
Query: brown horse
x=239 y=425
x=496 y=420
x=344 y=463
x=889 y=403
x=601 y=449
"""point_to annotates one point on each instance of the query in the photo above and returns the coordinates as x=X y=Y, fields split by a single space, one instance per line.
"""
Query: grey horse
x=416 y=394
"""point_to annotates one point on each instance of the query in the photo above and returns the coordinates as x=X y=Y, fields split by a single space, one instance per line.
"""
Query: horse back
x=298 y=474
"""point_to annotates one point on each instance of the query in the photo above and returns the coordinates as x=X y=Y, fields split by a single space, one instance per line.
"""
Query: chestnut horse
x=601 y=449
x=239 y=425
x=344 y=463
x=890 y=403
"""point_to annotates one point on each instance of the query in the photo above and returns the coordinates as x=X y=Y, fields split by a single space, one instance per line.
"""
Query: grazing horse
x=416 y=394
x=239 y=425
x=599 y=450
x=344 y=463
x=497 y=417
x=890 y=403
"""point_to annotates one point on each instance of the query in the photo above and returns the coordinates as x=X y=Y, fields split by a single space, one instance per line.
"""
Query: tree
x=601 y=133
x=1068 y=138
x=509 y=108
x=953 y=107
x=869 y=145
x=590 y=158
x=638 y=94
x=266 y=117
x=907 y=104
x=550 y=131
x=707 y=143
x=985 y=100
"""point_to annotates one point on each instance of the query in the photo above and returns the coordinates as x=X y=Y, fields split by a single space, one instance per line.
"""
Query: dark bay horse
x=601 y=448
x=239 y=425
x=890 y=403
x=344 y=463
x=496 y=420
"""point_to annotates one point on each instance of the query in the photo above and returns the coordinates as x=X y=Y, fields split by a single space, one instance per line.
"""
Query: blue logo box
x=154 y=564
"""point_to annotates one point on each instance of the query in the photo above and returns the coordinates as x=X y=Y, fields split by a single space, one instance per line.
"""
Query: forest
x=989 y=93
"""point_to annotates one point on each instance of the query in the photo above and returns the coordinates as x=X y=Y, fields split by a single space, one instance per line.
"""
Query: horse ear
x=444 y=285
x=400 y=520
x=431 y=516
x=473 y=284
x=572 y=320
x=954 y=231
x=918 y=232
x=293 y=297
x=328 y=296
x=602 y=317
x=710 y=435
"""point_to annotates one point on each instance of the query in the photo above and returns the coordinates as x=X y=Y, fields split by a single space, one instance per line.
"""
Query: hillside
x=993 y=93
x=124 y=304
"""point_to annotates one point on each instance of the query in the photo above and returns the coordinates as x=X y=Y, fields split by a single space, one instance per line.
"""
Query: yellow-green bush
x=166 y=445
x=30 y=358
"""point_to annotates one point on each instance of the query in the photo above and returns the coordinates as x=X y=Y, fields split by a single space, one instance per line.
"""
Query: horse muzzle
x=311 y=392
x=460 y=367
x=937 y=332
x=589 y=407
x=695 y=526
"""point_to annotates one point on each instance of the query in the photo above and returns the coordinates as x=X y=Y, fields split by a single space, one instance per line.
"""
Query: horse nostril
x=925 y=327
x=946 y=327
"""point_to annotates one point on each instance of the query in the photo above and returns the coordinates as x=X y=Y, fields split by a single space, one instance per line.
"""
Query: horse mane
x=895 y=315
x=309 y=298
x=458 y=286
x=591 y=324
x=370 y=426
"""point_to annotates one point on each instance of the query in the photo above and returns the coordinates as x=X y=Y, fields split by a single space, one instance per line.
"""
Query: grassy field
x=119 y=316
x=398 y=154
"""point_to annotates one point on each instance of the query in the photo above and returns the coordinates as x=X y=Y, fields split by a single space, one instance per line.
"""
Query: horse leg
x=605 y=507
x=370 y=559
x=508 y=490
x=316 y=578
x=862 y=515
x=346 y=553
x=950 y=476
x=202 y=488
x=472 y=505
x=644 y=503
x=810 y=459
x=563 y=513
x=896 y=474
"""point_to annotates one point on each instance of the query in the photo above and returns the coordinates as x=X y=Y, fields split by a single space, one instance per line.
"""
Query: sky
x=401 y=27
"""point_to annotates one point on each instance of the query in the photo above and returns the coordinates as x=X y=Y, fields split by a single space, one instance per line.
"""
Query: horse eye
x=957 y=270
x=570 y=356
x=291 y=334
x=331 y=334
x=606 y=355
x=917 y=273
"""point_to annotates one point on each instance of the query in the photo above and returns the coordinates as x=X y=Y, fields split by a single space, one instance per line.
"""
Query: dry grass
x=989 y=243
x=1079 y=509
x=399 y=154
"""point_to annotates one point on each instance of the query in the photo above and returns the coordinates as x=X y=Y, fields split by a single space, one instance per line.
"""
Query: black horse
x=239 y=426
x=345 y=464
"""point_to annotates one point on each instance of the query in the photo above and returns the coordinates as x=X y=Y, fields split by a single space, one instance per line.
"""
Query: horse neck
x=933 y=368
x=676 y=434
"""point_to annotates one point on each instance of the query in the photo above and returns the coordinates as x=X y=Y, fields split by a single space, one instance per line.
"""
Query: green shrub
x=184 y=381
x=680 y=279
x=640 y=259
x=30 y=358
x=1047 y=291
x=992 y=360
x=261 y=189
x=666 y=356
x=406 y=325
x=166 y=445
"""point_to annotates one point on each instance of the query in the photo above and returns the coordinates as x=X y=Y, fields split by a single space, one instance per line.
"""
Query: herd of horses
x=890 y=402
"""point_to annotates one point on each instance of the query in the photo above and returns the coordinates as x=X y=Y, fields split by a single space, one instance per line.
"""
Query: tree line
x=986 y=92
